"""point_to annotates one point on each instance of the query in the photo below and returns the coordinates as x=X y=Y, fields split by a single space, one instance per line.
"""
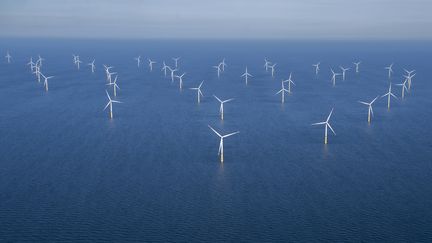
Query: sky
x=218 y=19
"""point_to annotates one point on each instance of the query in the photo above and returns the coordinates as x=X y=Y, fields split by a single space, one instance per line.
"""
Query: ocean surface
x=152 y=174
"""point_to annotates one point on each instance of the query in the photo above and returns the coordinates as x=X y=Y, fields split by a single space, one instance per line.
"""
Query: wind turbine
x=151 y=64
x=164 y=68
x=272 y=69
x=221 y=148
x=246 y=75
x=266 y=64
x=93 y=67
x=115 y=86
x=388 y=94
x=408 y=78
x=31 y=64
x=357 y=64
x=343 y=72
x=327 y=125
x=404 y=87
x=78 y=61
x=333 y=79
x=223 y=64
x=110 y=104
x=172 y=73
x=40 y=59
x=316 y=67
x=138 y=59
x=218 y=69
x=180 y=80
x=390 y=70
x=283 y=90
x=176 y=59
x=199 y=93
x=289 y=81
x=8 y=57
x=221 y=108
x=46 y=81
x=370 y=110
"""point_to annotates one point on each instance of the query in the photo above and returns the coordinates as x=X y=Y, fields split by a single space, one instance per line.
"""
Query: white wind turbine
x=316 y=67
x=199 y=93
x=289 y=81
x=272 y=69
x=266 y=64
x=223 y=64
x=164 y=68
x=180 y=78
x=389 y=94
x=404 y=87
x=221 y=108
x=370 y=110
x=176 y=59
x=409 y=78
x=357 y=64
x=138 y=59
x=151 y=64
x=93 y=67
x=390 y=70
x=110 y=104
x=333 y=79
x=344 y=71
x=46 y=81
x=283 y=90
x=221 y=147
x=327 y=125
x=8 y=57
x=246 y=74
x=31 y=64
x=172 y=73
x=39 y=60
x=218 y=68
x=77 y=62
x=115 y=86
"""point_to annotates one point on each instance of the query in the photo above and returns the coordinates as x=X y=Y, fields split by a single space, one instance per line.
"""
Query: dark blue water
x=69 y=173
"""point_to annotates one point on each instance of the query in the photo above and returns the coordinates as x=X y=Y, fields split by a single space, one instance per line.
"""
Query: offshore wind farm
x=214 y=140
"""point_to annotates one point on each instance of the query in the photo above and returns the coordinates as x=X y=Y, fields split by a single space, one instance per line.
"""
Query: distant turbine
x=390 y=70
x=357 y=64
x=138 y=59
x=283 y=90
x=404 y=87
x=316 y=67
x=221 y=108
x=110 y=104
x=266 y=64
x=164 y=68
x=221 y=147
x=31 y=64
x=176 y=59
x=218 y=69
x=180 y=80
x=151 y=64
x=172 y=73
x=343 y=72
x=8 y=57
x=93 y=67
x=246 y=75
x=115 y=86
x=333 y=79
x=289 y=81
x=409 y=78
x=327 y=125
x=370 y=110
x=39 y=61
x=199 y=93
x=223 y=64
x=46 y=81
x=389 y=94
x=78 y=63
x=272 y=69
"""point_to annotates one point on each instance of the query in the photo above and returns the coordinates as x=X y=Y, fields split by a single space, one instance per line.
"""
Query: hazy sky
x=290 y=19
